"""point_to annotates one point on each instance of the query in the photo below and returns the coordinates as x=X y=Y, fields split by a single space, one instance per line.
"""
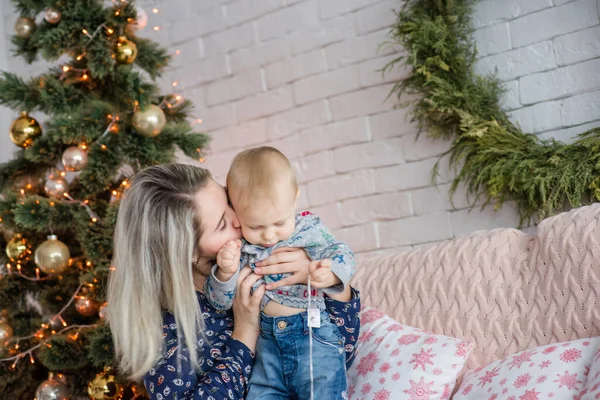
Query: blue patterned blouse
x=226 y=363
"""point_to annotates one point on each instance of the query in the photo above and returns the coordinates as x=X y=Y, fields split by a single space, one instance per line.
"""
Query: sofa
x=503 y=289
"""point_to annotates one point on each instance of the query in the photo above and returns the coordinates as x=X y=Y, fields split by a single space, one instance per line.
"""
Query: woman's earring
x=194 y=260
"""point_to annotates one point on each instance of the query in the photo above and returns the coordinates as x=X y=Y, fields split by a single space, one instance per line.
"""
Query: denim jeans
x=282 y=368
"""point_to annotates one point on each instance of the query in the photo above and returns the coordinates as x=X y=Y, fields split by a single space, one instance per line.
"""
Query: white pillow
x=557 y=371
x=395 y=361
x=592 y=385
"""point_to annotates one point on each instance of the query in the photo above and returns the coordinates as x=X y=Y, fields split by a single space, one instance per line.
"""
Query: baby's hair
x=258 y=171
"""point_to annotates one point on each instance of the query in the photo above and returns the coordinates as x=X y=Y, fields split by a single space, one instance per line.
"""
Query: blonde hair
x=256 y=171
x=156 y=234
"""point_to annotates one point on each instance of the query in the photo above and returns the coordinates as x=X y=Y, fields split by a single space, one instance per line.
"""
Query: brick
x=491 y=12
x=465 y=222
x=228 y=40
x=408 y=231
x=207 y=70
x=331 y=136
x=218 y=164
x=391 y=124
x=368 y=155
x=314 y=167
x=241 y=11
x=306 y=116
x=578 y=46
x=216 y=117
x=326 y=32
x=259 y=55
x=357 y=49
x=359 y=238
x=538 y=118
x=330 y=215
x=492 y=39
x=381 y=207
x=334 y=8
x=423 y=147
x=290 y=146
x=581 y=109
x=515 y=63
x=236 y=87
x=510 y=99
x=327 y=84
x=171 y=11
x=246 y=134
x=552 y=22
x=280 y=22
x=370 y=72
x=561 y=82
x=409 y=176
x=264 y=104
x=339 y=187
x=197 y=25
x=569 y=135
x=363 y=102
x=437 y=198
x=189 y=53
x=292 y=69
x=559 y=2
x=221 y=141
x=374 y=18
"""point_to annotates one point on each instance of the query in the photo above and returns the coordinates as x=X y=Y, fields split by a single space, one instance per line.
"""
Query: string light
x=156 y=28
x=155 y=10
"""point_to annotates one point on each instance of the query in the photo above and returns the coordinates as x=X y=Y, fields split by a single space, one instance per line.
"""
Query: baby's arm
x=220 y=284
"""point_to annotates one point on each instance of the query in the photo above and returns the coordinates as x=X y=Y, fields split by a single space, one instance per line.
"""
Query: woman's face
x=219 y=223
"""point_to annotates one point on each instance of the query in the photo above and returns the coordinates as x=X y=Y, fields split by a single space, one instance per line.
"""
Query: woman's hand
x=285 y=260
x=246 y=309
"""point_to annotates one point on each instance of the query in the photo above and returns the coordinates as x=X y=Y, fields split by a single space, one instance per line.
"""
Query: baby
x=263 y=191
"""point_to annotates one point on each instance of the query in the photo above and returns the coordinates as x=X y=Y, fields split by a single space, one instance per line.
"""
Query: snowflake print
x=520 y=359
x=437 y=371
x=549 y=350
x=463 y=349
x=503 y=381
x=382 y=394
x=395 y=353
x=422 y=359
x=420 y=390
x=545 y=364
x=365 y=336
x=505 y=390
x=385 y=367
x=395 y=328
x=487 y=378
x=350 y=390
x=493 y=397
x=586 y=343
x=371 y=315
x=431 y=340
x=379 y=340
x=447 y=392
x=568 y=380
x=367 y=364
x=366 y=388
x=541 y=379
x=467 y=389
x=570 y=355
x=381 y=381
x=522 y=380
x=512 y=398
x=530 y=395
x=408 y=339
x=396 y=376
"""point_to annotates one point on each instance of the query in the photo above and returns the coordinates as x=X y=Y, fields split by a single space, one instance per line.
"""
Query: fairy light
x=156 y=28
x=84 y=77
x=66 y=68
x=175 y=83
x=155 y=10
x=88 y=263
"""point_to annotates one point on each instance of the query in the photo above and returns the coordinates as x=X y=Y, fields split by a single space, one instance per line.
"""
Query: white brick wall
x=302 y=75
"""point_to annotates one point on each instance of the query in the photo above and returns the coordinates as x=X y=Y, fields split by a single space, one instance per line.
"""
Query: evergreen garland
x=495 y=160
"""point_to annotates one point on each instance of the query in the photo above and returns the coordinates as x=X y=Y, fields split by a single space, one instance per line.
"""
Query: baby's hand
x=228 y=259
x=321 y=275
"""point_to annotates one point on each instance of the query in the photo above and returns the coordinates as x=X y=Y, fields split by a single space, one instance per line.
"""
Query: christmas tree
x=60 y=193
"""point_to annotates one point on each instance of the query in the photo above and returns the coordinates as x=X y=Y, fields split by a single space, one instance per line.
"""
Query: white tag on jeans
x=314 y=318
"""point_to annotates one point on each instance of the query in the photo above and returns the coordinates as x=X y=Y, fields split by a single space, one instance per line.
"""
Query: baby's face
x=266 y=221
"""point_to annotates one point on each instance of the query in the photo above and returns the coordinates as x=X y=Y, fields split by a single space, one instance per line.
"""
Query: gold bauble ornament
x=126 y=51
x=52 y=389
x=6 y=332
x=24 y=130
x=56 y=186
x=86 y=306
x=74 y=158
x=52 y=15
x=105 y=387
x=102 y=312
x=150 y=121
x=52 y=256
x=24 y=27
x=18 y=248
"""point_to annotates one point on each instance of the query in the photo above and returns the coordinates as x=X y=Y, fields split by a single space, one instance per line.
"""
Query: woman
x=172 y=221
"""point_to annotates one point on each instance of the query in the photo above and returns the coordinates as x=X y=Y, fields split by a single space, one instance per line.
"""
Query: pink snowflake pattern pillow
x=592 y=385
x=395 y=361
x=557 y=371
